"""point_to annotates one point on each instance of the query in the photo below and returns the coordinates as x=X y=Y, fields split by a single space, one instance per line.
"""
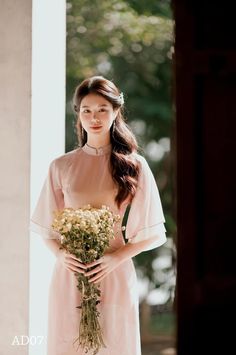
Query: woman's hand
x=70 y=262
x=105 y=265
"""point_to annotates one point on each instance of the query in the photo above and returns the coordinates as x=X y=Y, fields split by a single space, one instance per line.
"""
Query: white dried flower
x=121 y=97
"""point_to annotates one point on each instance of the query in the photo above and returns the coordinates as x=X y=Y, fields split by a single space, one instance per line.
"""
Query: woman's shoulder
x=138 y=157
x=64 y=160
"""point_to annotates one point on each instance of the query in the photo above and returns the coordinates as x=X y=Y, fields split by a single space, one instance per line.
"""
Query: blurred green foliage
x=163 y=323
x=131 y=43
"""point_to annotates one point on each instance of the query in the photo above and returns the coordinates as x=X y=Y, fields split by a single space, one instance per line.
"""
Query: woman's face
x=96 y=111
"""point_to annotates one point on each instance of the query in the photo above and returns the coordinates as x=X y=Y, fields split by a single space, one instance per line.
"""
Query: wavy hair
x=124 y=168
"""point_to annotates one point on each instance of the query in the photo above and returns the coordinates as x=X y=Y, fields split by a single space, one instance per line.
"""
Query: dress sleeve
x=146 y=219
x=51 y=198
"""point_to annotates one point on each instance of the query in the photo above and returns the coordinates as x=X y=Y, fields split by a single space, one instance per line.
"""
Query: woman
x=105 y=169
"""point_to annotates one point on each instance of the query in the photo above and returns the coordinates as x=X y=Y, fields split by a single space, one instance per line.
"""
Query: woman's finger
x=98 y=276
x=81 y=265
x=73 y=268
x=96 y=262
x=73 y=257
x=74 y=262
x=77 y=263
x=96 y=270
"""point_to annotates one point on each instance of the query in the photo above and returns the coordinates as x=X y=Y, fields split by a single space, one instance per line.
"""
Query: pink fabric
x=74 y=179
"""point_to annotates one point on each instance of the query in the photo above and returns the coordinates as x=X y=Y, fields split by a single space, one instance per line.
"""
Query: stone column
x=32 y=114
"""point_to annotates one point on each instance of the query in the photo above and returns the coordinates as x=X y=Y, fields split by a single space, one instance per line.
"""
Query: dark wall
x=205 y=100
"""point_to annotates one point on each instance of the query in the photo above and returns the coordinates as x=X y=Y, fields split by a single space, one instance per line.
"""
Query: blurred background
x=131 y=43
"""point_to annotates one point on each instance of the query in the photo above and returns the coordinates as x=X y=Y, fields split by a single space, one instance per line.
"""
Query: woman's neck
x=98 y=143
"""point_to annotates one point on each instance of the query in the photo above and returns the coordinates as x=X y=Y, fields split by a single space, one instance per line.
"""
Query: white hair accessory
x=121 y=97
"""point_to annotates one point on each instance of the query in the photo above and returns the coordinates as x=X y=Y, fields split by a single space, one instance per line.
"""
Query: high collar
x=97 y=151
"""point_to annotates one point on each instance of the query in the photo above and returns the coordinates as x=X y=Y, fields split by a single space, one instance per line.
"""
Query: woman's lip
x=96 y=126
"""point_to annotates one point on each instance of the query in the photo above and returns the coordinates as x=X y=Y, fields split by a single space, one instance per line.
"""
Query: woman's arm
x=127 y=251
x=130 y=250
x=111 y=261
x=69 y=261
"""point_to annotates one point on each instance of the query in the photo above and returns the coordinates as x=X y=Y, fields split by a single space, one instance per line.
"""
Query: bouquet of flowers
x=86 y=233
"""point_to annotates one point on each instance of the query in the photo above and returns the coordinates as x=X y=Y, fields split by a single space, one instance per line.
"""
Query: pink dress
x=78 y=178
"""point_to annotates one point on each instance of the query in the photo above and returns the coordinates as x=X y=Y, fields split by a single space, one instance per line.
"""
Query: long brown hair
x=124 y=168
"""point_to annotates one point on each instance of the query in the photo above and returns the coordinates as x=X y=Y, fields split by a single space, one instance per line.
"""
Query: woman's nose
x=94 y=118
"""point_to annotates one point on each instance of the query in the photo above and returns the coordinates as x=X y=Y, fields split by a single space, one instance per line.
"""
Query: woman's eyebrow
x=98 y=105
